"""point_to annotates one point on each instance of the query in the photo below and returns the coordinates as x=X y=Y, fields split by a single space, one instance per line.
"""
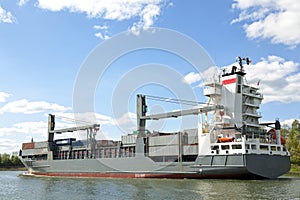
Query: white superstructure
x=235 y=128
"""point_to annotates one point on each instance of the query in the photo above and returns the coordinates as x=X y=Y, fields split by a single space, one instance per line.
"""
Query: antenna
x=240 y=60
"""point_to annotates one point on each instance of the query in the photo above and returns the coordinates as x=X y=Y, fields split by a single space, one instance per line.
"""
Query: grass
x=295 y=169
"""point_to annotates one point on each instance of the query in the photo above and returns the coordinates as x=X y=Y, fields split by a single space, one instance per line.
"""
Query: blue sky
x=44 y=43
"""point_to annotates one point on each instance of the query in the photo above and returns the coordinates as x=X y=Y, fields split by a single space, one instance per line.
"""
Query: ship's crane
x=91 y=131
x=194 y=111
x=77 y=128
x=142 y=117
x=142 y=109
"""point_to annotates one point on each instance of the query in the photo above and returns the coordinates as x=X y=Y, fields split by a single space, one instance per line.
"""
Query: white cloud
x=207 y=75
x=6 y=16
x=37 y=128
x=99 y=27
x=210 y=74
x=25 y=131
x=288 y=122
x=9 y=145
x=145 y=10
x=22 y=2
x=127 y=118
x=277 y=20
x=191 y=78
x=147 y=17
x=92 y=118
x=279 y=79
x=102 y=32
x=32 y=128
x=4 y=96
x=102 y=36
x=26 y=107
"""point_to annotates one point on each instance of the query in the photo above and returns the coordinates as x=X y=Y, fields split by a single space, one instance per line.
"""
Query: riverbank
x=295 y=169
x=13 y=169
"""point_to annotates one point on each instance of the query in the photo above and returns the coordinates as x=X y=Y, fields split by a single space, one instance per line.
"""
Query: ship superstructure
x=232 y=145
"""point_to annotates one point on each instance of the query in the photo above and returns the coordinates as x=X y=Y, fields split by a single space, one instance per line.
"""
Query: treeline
x=292 y=135
x=7 y=161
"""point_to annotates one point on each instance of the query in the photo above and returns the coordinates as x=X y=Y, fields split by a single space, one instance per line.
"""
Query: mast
x=51 y=126
x=141 y=110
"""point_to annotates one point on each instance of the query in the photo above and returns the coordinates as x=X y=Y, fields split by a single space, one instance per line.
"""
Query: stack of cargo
x=192 y=135
x=107 y=149
x=128 y=145
x=191 y=148
x=26 y=146
x=34 y=148
x=128 y=140
x=106 y=143
x=65 y=144
x=79 y=144
x=166 y=145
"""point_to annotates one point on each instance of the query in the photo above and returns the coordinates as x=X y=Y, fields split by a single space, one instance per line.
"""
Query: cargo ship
x=233 y=145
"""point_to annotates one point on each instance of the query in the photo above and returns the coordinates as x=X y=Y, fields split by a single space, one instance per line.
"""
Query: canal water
x=13 y=186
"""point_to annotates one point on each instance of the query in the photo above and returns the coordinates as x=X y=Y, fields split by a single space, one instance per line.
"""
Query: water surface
x=13 y=186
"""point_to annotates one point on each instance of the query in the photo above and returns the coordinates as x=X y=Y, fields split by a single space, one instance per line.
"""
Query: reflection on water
x=13 y=186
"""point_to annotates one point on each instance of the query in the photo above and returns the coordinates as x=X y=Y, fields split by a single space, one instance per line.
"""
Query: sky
x=46 y=46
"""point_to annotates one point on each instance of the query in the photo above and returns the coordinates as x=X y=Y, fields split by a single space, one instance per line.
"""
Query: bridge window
x=225 y=147
x=279 y=149
x=273 y=148
x=216 y=147
x=264 y=147
x=236 y=146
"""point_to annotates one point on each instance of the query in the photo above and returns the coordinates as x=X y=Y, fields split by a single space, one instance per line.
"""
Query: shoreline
x=13 y=169
x=295 y=169
x=293 y=173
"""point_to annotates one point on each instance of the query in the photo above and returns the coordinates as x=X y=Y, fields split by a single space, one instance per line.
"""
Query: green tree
x=284 y=131
x=293 y=142
x=16 y=162
x=5 y=160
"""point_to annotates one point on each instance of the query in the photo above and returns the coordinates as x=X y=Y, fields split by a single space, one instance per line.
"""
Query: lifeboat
x=226 y=139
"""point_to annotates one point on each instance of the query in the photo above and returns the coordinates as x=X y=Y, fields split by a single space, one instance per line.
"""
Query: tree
x=5 y=160
x=16 y=161
x=284 y=131
x=293 y=142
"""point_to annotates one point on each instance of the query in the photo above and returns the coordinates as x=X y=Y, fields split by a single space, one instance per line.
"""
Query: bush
x=293 y=142
x=7 y=161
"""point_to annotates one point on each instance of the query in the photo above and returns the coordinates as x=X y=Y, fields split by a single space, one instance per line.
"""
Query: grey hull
x=267 y=166
x=245 y=166
x=218 y=166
